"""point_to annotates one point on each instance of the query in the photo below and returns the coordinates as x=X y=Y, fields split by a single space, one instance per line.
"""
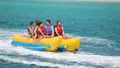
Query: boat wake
x=81 y=59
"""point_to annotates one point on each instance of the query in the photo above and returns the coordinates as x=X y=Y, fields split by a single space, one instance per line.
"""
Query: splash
x=22 y=60
x=93 y=40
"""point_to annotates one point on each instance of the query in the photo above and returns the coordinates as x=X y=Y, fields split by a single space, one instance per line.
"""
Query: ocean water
x=97 y=24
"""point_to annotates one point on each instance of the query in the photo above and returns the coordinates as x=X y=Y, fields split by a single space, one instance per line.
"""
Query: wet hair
x=48 y=20
x=58 y=21
x=31 y=22
x=38 y=22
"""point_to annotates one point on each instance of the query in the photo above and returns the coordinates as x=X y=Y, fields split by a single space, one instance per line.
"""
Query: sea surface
x=97 y=24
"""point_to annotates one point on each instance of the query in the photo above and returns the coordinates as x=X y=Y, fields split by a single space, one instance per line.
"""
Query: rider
x=41 y=30
x=59 y=30
x=36 y=32
x=49 y=29
x=31 y=29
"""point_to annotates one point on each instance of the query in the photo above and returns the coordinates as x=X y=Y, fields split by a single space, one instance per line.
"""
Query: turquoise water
x=97 y=24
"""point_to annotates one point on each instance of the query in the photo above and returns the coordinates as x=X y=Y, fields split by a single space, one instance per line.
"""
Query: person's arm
x=56 y=31
x=30 y=30
x=52 y=31
x=41 y=32
x=62 y=31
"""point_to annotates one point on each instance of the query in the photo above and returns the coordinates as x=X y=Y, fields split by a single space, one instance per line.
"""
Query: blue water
x=97 y=24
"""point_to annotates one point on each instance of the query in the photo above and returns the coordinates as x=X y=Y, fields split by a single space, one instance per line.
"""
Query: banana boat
x=46 y=44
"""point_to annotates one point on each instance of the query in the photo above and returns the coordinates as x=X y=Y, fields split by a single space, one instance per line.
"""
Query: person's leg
x=34 y=37
x=38 y=39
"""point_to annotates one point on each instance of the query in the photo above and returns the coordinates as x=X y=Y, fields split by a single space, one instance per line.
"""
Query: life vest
x=43 y=30
x=59 y=30
x=48 y=30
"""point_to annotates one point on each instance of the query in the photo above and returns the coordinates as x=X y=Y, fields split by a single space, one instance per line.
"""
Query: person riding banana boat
x=49 y=29
x=36 y=32
x=31 y=29
x=59 y=30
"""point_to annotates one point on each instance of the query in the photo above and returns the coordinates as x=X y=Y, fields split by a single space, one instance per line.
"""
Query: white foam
x=38 y=63
x=10 y=31
x=111 y=61
x=94 y=40
x=80 y=58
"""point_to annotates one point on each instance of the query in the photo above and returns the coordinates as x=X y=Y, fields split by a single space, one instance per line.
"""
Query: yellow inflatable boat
x=46 y=44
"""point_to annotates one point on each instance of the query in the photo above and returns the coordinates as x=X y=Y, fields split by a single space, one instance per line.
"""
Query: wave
x=22 y=60
x=96 y=40
x=86 y=39
x=99 y=60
